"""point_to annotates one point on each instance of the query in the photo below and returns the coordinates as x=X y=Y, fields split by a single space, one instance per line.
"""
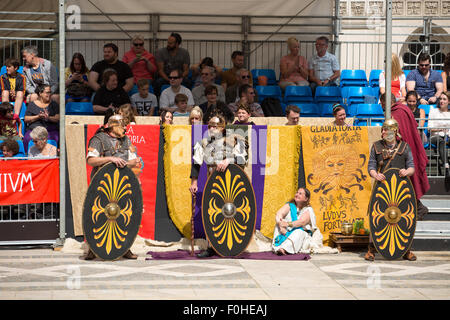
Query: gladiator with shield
x=113 y=205
x=228 y=204
x=393 y=207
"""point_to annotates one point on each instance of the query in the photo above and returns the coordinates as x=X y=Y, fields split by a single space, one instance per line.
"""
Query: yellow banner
x=335 y=163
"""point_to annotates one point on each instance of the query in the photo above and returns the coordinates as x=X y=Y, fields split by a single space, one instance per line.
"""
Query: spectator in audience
x=446 y=73
x=110 y=95
x=247 y=96
x=339 y=116
x=39 y=71
x=181 y=101
x=409 y=133
x=166 y=117
x=169 y=58
x=293 y=67
x=229 y=76
x=76 y=79
x=128 y=114
x=232 y=93
x=411 y=102
x=111 y=61
x=197 y=70
x=440 y=136
x=10 y=124
x=426 y=82
x=42 y=112
x=398 y=80
x=41 y=148
x=10 y=148
x=13 y=85
x=292 y=115
x=141 y=62
x=196 y=116
x=243 y=115
x=208 y=76
x=167 y=99
x=324 y=67
x=143 y=101
x=213 y=107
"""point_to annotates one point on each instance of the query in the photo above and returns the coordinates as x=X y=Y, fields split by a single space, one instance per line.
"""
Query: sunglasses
x=245 y=77
x=424 y=65
x=205 y=74
x=138 y=44
x=174 y=78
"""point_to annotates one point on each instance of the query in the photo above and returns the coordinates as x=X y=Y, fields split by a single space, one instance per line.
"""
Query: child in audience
x=196 y=116
x=9 y=121
x=243 y=114
x=143 y=101
x=181 y=101
x=13 y=85
x=9 y=148
x=128 y=113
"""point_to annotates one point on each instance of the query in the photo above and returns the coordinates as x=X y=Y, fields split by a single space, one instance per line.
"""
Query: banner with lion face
x=335 y=163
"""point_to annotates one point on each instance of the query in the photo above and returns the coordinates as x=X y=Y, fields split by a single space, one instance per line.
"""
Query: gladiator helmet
x=391 y=126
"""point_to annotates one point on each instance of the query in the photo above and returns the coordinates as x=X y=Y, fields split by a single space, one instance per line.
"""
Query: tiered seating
x=294 y=94
x=328 y=95
x=353 y=78
x=3 y=70
x=79 y=108
x=269 y=73
x=357 y=95
x=374 y=78
x=364 y=112
x=268 y=91
x=308 y=109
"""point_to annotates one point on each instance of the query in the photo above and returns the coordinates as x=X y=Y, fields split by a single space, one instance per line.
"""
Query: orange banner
x=29 y=181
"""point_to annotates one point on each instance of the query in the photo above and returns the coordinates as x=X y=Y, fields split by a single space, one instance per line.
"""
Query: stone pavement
x=51 y=275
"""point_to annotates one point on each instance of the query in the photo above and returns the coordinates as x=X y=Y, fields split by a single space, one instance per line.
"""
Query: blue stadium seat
x=353 y=78
x=328 y=94
x=298 y=94
x=406 y=72
x=268 y=91
x=2 y=70
x=23 y=109
x=357 y=95
x=79 y=108
x=308 y=109
x=21 y=149
x=374 y=78
x=20 y=70
x=366 y=111
x=269 y=73
x=164 y=87
x=24 y=127
x=427 y=108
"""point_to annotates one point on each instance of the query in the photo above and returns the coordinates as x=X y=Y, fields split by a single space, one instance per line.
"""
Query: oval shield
x=393 y=215
x=112 y=211
x=229 y=211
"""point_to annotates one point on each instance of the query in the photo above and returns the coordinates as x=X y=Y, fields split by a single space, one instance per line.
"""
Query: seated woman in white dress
x=295 y=222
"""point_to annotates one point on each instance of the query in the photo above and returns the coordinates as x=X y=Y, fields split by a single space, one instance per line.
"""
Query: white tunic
x=294 y=243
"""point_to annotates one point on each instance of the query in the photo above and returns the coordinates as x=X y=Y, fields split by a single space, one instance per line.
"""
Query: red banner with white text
x=29 y=181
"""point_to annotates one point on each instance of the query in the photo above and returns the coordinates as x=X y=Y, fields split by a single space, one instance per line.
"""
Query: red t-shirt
x=139 y=69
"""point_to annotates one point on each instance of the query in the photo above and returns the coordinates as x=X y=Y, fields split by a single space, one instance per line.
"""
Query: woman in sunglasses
x=141 y=62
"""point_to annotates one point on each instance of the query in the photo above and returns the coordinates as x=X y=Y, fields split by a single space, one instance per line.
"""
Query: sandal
x=410 y=256
x=369 y=256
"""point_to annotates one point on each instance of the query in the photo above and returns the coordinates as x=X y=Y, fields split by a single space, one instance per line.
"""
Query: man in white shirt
x=167 y=99
x=324 y=67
